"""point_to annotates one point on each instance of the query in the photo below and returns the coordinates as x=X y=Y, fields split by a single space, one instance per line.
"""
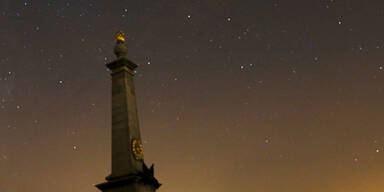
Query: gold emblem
x=137 y=149
x=119 y=37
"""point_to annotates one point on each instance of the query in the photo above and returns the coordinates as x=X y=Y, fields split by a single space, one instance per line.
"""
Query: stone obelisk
x=129 y=172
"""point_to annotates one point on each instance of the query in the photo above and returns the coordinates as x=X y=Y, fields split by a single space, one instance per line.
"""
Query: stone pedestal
x=141 y=182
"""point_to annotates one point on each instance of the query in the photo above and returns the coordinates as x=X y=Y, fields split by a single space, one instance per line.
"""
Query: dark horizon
x=232 y=95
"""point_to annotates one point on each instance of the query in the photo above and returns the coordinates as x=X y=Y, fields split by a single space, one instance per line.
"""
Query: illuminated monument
x=129 y=172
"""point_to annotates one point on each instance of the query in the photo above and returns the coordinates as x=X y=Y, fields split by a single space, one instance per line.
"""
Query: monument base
x=140 y=182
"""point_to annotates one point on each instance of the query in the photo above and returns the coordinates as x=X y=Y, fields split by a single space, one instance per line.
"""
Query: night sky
x=233 y=95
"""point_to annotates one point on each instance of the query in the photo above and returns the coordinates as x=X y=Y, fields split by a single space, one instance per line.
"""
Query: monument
x=129 y=172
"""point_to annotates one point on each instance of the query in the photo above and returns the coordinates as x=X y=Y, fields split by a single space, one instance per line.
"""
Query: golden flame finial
x=119 y=37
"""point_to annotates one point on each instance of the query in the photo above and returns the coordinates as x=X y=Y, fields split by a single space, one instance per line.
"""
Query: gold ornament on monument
x=119 y=37
x=120 y=49
x=137 y=149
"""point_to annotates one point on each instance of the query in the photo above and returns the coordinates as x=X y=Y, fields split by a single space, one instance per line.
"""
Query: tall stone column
x=129 y=172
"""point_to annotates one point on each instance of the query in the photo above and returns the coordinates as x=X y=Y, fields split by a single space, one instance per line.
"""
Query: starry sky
x=233 y=95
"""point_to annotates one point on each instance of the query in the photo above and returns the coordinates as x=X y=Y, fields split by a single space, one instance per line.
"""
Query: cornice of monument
x=121 y=62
